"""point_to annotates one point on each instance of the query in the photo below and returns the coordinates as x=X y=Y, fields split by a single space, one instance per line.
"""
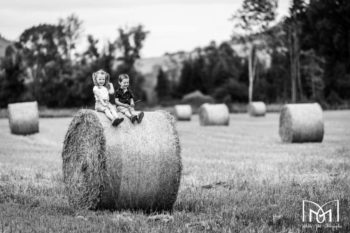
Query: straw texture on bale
x=126 y=167
x=301 y=123
x=23 y=118
x=257 y=109
x=214 y=114
x=183 y=112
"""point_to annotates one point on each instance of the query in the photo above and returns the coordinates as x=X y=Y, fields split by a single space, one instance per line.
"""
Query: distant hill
x=3 y=44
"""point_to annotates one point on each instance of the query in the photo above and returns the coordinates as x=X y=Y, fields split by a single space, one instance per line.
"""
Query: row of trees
x=215 y=70
x=44 y=64
x=309 y=51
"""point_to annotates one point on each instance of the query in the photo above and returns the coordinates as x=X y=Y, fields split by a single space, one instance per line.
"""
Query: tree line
x=309 y=54
x=44 y=64
x=309 y=51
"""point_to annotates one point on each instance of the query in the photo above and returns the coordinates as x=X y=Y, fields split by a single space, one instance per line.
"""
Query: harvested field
x=239 y=178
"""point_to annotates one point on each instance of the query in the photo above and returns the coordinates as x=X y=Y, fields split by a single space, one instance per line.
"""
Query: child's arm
x=111 y=93
x=132 y=103
x=110 y=89
x=121 y=104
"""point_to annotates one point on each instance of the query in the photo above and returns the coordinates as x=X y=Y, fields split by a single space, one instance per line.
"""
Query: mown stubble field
x=239 y=178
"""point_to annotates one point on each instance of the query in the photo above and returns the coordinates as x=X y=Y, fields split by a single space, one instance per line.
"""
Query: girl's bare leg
x=109 y=114
x=114 y=112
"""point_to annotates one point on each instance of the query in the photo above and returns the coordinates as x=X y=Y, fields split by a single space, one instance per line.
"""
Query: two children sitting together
x=124 y=98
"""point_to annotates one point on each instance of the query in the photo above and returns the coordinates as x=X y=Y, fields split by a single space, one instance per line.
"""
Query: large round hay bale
x=214 y=114
x=257 y=109
x=183 y=112
x=301 y=123
x=132 y=166
x=23 y=118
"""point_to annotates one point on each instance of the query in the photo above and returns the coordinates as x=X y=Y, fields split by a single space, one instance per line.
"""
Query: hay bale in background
x=183 y=112
x=125 y=167
x=214 y=114
x=23 y=118
x=257 y=109
x=301 y=123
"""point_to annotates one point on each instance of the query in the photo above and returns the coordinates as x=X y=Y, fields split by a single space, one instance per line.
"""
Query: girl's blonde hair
x=94 y=78
x=122 y=76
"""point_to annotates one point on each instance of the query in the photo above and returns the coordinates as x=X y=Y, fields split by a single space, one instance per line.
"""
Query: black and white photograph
x=170 y=116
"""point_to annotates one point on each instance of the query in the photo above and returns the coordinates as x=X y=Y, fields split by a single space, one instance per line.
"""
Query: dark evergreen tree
x=12 y=88
x=326 y=30
x=163 y=87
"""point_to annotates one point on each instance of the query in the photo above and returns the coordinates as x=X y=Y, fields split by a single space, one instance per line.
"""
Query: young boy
x=124 y=100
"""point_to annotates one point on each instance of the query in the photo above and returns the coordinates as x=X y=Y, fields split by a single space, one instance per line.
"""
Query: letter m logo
x=315 y=213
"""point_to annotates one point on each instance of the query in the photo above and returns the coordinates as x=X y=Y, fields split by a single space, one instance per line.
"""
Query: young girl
x=124 y=99
x=101 y=91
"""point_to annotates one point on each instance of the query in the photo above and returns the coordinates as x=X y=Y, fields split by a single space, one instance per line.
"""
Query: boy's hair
x=122 y=77
x=94 y=77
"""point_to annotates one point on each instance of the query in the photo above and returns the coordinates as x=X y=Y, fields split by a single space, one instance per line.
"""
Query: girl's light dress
x=102 y=99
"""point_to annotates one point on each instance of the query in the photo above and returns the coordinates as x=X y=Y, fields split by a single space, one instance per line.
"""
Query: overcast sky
x=173 y=24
